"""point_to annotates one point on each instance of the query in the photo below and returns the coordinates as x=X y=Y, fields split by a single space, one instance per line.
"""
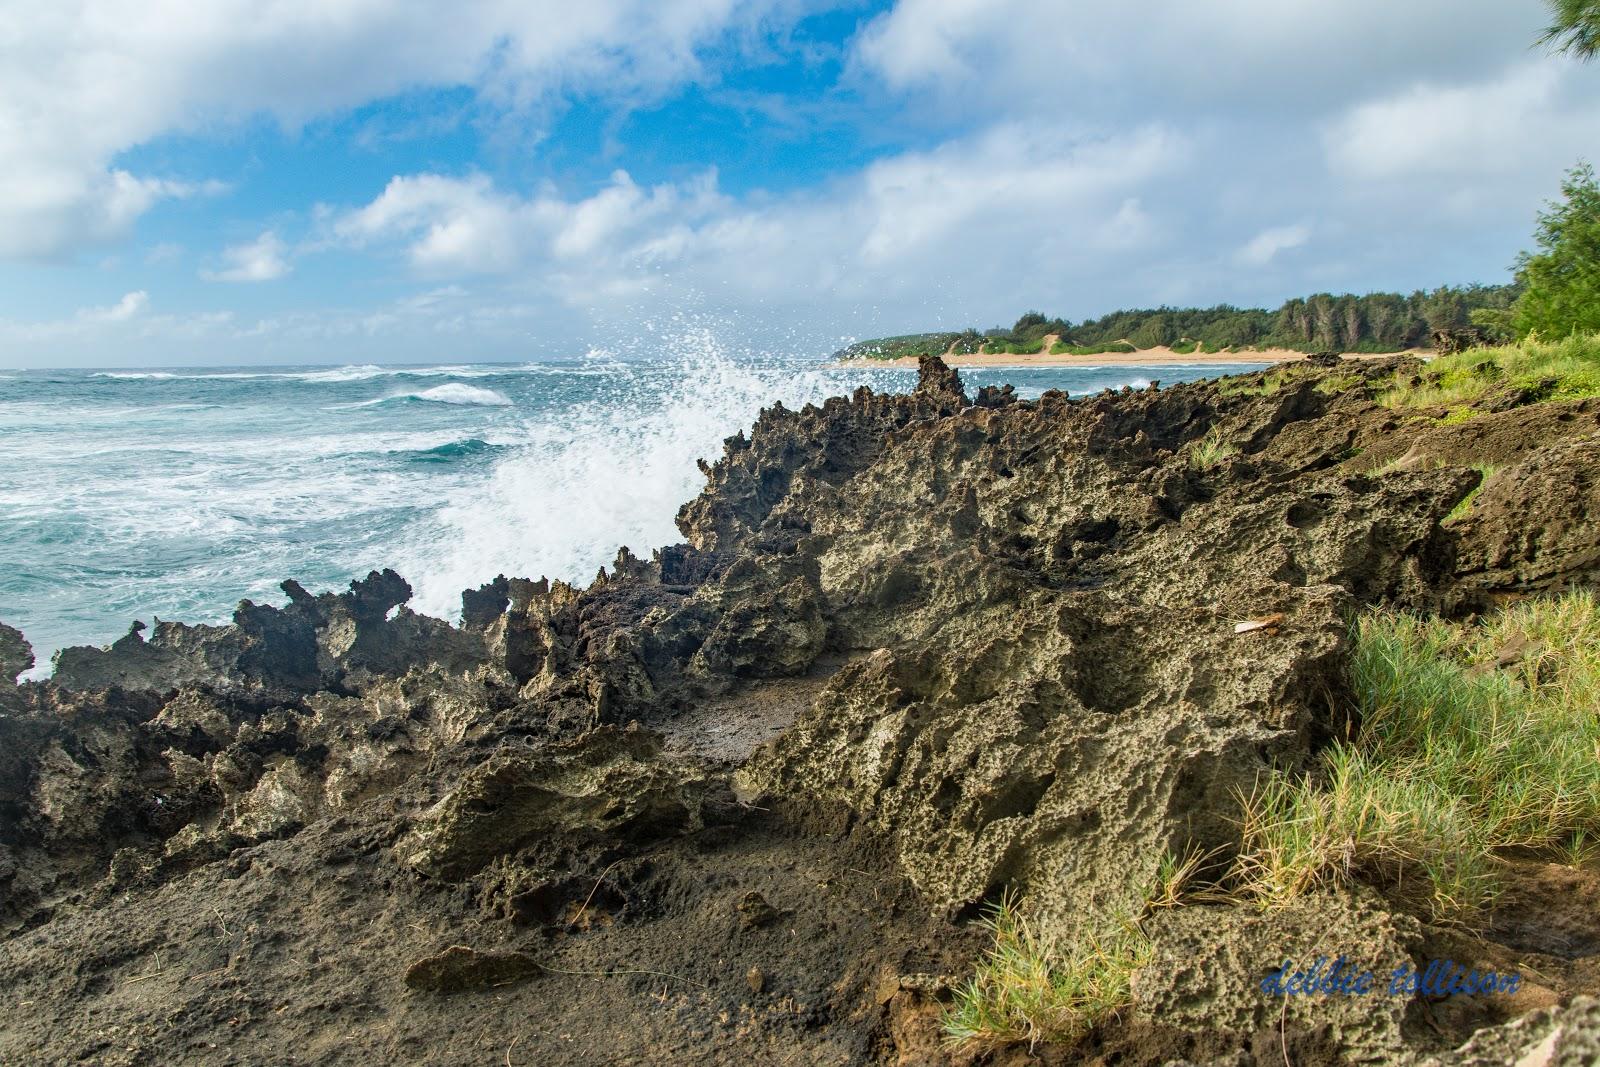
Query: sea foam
x=598 y=475
x=451 y=393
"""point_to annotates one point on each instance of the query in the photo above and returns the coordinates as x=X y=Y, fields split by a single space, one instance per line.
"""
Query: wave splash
x=608 y=472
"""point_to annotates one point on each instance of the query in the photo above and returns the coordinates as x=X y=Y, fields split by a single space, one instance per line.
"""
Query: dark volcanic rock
x=1532 y=525
x=459 y=968
x=16 y=655
x=991 y=647
x=608 y=783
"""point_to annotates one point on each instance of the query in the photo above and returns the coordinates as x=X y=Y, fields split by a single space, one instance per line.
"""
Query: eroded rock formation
x=915 y=653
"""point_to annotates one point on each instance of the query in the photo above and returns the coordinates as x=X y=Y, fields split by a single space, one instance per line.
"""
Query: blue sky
x=355 y=180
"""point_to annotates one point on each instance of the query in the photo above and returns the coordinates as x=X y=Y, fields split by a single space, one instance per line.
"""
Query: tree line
x=1374 y=322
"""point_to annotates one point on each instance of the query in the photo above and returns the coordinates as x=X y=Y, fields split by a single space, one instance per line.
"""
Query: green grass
x=1062 y=348
x=1272 y=381
x=1014 y=348
x=1337 y=383
x=1032 y=988
x=1211 y=450
x=1246 y=386
x=1455 y=761
x=1029 y=988
x=1485 y=472
x=1565 y=369
x=1269 y=382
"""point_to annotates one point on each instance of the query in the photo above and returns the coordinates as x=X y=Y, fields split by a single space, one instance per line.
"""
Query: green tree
x=1561 y=282
x=1576 y=29
x=1445 y=309
x=1153 y=332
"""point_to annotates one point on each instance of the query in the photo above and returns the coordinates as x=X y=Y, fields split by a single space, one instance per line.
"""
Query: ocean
x=131 y=494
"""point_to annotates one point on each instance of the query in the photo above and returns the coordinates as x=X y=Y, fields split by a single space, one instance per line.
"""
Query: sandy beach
x=1147 y=357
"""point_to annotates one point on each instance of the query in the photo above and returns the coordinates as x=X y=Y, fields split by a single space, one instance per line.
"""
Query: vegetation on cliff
x=1532 y=370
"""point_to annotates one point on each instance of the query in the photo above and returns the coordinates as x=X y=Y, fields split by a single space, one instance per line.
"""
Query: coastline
x=1149 y=357
x=407 y=796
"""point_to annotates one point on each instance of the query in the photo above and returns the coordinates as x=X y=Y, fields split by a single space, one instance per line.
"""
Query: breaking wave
x=609 y=471
x=451 y=393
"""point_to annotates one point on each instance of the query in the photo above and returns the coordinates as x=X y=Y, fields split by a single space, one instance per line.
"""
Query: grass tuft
x=1474 y=738
x=1211 y=449
x=1029 y=988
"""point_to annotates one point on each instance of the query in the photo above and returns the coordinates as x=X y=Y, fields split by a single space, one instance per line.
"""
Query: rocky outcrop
x=16 y=655
x=608 y=783
x=1531 y=527
x=916 y=653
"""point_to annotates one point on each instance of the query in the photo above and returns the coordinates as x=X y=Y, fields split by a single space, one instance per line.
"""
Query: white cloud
x=1070 y=156
x=165 y=252
x=1420 y=136
x=1181 y=56
x=47 y=208
x=84 y=80
x=1457 y=131
x=261 y=260
x=454 y=224
x=1010 y=175
x=466 y=225
x=1265 y=246
x=905 y=221
x=130 y=305
x=128 y=334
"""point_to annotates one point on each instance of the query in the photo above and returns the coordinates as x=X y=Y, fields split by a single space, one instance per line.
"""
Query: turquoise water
x=138 y=494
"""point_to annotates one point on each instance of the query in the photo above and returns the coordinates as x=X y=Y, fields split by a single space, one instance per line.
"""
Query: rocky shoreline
x=744 y=800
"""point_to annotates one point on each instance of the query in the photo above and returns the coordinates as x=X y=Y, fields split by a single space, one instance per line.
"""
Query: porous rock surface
x=916 y=653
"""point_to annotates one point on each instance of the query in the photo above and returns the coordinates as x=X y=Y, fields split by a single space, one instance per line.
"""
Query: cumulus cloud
x=1496 y=126
x=130 y=305
x=1058 y=154
x=903 y=222
x=466 y=225
x=83 y=80
x=1421 y=137
x=48 y=208
x=1265 y=246
x=261 y=260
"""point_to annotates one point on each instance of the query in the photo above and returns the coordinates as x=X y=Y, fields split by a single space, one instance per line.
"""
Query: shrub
x=1015 y=348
